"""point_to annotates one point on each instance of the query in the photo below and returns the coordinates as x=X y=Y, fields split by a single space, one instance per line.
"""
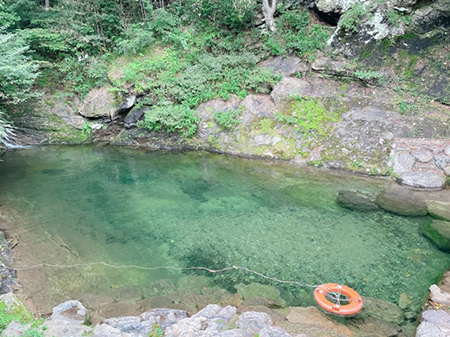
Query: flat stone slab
x=422 y=180
x=439 y=209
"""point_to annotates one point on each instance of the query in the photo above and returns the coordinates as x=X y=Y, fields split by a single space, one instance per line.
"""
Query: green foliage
x=405 y=107
x=157 y=331
x=21 y=315
x=296 y=34
x=350 y=19
x=228 y=119
x=232 y=14
x=171 y=118
x=369 y=76
x=308 y=115
x=191 y=78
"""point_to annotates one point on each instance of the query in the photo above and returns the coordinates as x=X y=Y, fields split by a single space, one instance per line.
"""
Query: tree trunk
x=47 y=5
x=268 y=12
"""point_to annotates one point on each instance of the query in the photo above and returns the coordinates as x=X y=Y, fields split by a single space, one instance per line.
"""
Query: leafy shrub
x=171 y=118
x=136 y=38
x=350 y=19
x=228 y=119
x=296 y=34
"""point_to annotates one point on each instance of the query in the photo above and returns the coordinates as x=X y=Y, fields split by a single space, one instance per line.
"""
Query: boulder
x=58 y=328
x=252 y=322
x=70 y=311
x=98 y=103
x=423 y=156
x=438 y=231
x=286 y=66
x=400 y=200
x=435 y=323
x=108 y=331
x=163 y=317
x=439 y=209
x=127 y=104
x=403 y=162
x=442 y=161
x=447 y=150
x=439 y=296
x=135 y=115
x=447 y=171
x=422 y=180
x=356 y=201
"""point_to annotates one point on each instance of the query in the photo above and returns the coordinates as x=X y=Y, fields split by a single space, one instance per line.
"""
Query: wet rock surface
x=356 y=201
x=401 y=201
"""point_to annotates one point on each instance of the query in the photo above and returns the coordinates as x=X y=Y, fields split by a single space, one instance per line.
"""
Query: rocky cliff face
x=365 y=105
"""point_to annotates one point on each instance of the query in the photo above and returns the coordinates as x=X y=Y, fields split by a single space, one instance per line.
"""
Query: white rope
x=214 y=271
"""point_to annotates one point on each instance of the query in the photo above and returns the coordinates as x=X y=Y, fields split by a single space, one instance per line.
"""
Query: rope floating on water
x=213 y=271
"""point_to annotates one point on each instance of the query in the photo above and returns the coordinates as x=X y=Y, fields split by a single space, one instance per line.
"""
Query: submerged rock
x=438 y=231
x=439 y=209
x=356 y=201
x=400 y=200
x=254 y=292
x=382 y=310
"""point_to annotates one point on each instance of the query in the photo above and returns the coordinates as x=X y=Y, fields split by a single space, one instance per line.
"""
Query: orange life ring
x=355 y=301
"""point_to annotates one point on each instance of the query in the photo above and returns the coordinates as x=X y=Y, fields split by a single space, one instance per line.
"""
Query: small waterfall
x=14 y=146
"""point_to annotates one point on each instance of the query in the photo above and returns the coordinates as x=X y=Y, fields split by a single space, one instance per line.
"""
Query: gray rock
x=135 y=115
x=233 y=333
x=99 y=102
x=437 y=296
x=273 y=332
x=403 y=162
x=164 y=317
x=447 y=150
x=15 y=329
x=447 y=171
x=423 y=156
x=439 y=318
x=426 y=329
x=287 y=87
x=104 y=330
x=70 y=311
x=187 y=327
x=422 y=180
x=441 y=161
x=216 y=311
x=64 y=328
x=286 y=66
x=356 y=201
x=127 y=104
x=131 y=324
x=400 y=200
x=252 y=322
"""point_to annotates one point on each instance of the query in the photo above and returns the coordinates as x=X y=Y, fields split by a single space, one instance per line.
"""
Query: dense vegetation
x=177 y=54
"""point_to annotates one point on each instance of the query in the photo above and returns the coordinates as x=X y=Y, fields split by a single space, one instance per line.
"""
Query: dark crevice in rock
x=331 y=18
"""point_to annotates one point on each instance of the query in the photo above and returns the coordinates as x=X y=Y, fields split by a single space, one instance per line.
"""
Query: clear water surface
x=87 y=204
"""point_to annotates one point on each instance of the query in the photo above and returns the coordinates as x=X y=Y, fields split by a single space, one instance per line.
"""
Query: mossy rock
x=439 y=209
x=438 y=231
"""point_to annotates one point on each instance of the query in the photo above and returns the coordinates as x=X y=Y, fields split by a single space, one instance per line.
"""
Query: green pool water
x=74 y=205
